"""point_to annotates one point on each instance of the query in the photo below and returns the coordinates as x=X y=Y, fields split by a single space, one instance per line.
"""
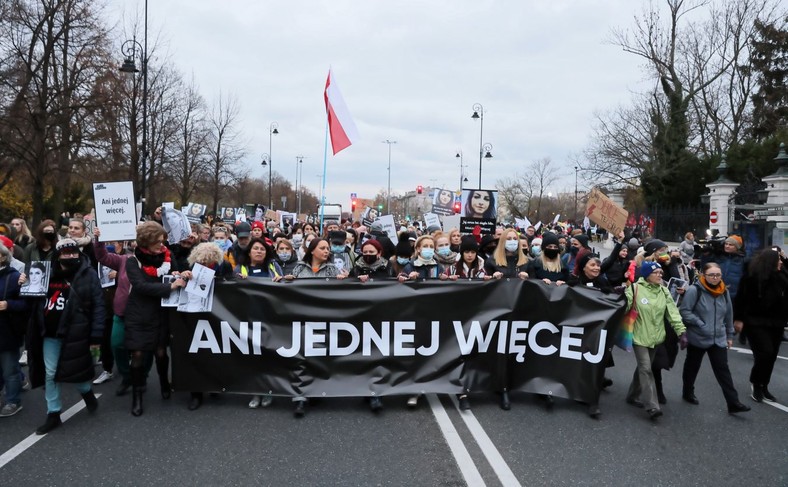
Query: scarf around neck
x=714 y=291
x=154 y=265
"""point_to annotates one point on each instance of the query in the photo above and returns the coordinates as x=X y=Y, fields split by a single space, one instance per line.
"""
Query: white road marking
x=776 y=405
x=747 y=351
x=31 y=440
x=461 y=455
x=499 y=465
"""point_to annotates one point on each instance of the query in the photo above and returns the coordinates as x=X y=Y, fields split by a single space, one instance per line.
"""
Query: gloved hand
x=683 y=340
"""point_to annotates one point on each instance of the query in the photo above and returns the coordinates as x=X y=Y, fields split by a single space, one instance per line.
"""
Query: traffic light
x=380 y=207
x=353 y=205
x=419 y=189
x=457 y=207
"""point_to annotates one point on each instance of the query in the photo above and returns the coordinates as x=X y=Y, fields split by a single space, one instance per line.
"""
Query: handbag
x=625 y=334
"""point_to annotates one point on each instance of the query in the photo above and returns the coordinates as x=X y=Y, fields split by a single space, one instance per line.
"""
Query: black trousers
x=765 y=345
x=718 y=357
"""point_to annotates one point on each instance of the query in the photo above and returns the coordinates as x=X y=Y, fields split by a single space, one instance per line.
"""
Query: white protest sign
x=432 y=220
x=200 y=283
x=557 y=217
x=116 y=214
x=176 y=224
x=450 y=222
x=387 y=222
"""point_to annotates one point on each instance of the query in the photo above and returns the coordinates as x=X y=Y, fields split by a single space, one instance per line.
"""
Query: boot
x=163 y=368
x=757 y=393
x=137 y=380
x=136 y=401
x=52 y=422
x=688 y=394
x=91 y=403
x=505 y=404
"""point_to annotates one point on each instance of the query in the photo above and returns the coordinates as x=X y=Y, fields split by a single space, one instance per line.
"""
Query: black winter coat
x=10 y=339
x=511 y=269
x=145 y=321
x=81 y=324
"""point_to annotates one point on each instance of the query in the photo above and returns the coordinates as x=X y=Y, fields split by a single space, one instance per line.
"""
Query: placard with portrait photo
x=37 y=283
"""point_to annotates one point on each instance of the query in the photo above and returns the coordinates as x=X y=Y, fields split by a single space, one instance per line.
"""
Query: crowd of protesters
x=76 y=318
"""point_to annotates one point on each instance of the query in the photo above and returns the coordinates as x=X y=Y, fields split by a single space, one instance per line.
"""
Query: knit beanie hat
x=468 y=243
x=404 y=248
x=549 y=238
x=65 y=244
x=735 y=240
x=375 y=244
x=647 y=268
x=654 y=245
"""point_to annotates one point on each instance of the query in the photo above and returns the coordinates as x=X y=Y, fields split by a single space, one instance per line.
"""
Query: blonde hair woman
x=507 y=259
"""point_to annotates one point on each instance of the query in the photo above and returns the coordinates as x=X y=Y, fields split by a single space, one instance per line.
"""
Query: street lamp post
x=299 y=168
x=478 y=113
x=388 y=191
x=129 y=67
x=272 y=130
x=574 y=212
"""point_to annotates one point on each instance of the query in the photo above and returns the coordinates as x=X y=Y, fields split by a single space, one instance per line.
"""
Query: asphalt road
x=340 y=442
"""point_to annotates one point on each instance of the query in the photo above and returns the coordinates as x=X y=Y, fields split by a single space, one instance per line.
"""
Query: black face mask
x=370 y=259
x=550 y=253
x=574 y=250
x=50 y=236
x=677 y=260
x=70 y=265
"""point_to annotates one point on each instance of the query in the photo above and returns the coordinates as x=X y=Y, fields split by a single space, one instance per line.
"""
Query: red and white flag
x=340 y=124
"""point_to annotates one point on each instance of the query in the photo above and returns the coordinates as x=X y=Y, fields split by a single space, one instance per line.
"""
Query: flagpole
x=323 y=191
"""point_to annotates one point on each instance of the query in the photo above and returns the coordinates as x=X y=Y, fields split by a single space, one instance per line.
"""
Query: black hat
x=468 y=243
x=653 y=245
x=549 y=238
x=583 y=239
x=336 y=236
x=66 y=244
x=583 y=260
x=403 y=248
x=487 y=240
x=243 y=229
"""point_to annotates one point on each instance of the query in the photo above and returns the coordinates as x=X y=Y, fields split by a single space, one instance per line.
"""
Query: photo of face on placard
x=479 y=203
x=370 y=215
x=104 y=276
x=228 y=215
x=37 y=279
x=194 y=212
x=259 y=213
x=443 y=202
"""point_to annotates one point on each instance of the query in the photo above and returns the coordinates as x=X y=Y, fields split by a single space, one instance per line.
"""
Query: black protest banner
x=318 y=337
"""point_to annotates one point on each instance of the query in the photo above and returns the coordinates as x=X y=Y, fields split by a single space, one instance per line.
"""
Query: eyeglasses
x=714 y=276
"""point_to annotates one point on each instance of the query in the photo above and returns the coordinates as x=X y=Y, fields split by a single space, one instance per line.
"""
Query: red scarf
x=153 y=270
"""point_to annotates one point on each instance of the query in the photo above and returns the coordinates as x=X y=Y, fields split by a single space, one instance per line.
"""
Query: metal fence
x=672 y=222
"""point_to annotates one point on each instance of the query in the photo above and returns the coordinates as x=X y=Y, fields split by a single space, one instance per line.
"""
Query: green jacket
x=654 y=305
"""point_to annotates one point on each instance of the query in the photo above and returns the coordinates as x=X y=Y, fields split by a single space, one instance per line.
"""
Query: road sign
x=713 y=217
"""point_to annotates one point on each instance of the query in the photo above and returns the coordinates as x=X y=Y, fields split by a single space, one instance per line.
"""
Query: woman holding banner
x=547 y=266
x=146 y=330
x=507 y=260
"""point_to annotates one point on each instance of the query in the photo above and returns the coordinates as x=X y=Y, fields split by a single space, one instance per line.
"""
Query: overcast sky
x=410 y=71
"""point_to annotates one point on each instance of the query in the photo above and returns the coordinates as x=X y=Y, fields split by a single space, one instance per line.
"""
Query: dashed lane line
x=31 y=440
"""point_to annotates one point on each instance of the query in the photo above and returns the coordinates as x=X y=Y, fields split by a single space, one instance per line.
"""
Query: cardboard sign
x=432 y=220
x=116 y=214
x=601 y=210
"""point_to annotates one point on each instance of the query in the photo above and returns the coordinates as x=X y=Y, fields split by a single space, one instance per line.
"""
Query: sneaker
x=266 y=401
x=255 y=402
x=23 y=358
x=104 y=377
x=756 y=393
x=413 y=401
x=654 y=413
x=464 y=403
x=26 y=385
x=768 y=395
x=10 y=410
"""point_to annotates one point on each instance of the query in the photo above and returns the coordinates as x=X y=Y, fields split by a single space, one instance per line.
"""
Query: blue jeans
x=52 y=348
x=12 y=377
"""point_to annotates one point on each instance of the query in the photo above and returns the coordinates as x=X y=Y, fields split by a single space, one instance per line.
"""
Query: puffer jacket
x=9 y=292
x=81 y=323
x=326 y=269
x=709 y=319
x=654 y=305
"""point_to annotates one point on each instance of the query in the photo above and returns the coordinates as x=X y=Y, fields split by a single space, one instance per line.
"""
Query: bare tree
x=523 y=195
x=190 y=157
x=225 y=147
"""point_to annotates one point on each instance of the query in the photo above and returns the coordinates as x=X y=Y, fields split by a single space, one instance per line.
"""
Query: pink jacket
x=117 y=263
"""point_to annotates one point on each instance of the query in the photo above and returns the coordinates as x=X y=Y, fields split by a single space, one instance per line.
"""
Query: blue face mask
x=536 y=250
x=284 y=256
x=402 y=260
x=444 y=251
x=427 y=254
x=337 y=249
x=511 y=245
